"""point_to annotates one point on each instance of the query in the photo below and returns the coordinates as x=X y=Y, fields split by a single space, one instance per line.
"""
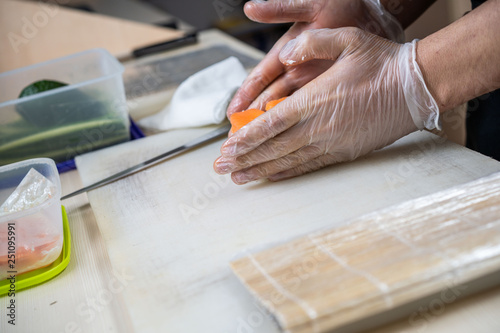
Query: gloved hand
x=271 y=79
x=373 y=95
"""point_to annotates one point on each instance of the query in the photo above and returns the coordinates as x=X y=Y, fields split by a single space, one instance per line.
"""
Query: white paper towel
x=201 y=99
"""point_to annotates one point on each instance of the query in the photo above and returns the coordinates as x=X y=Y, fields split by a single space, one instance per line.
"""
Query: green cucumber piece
x=41 y=86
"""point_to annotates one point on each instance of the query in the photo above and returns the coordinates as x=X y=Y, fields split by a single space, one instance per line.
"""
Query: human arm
x=462 y=61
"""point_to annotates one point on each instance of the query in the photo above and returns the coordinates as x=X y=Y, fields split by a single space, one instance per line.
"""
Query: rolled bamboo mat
x=379 y=262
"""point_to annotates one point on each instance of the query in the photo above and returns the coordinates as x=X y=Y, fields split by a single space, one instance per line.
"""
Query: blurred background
x=227 y=15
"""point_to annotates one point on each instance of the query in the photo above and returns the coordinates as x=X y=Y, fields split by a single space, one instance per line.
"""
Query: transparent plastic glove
x=271 y=79
x=373 y=95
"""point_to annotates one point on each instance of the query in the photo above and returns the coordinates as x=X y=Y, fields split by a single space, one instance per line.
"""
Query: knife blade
x=217 y=133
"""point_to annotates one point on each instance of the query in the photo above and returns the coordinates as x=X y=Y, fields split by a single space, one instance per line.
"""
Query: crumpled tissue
x=201 y=99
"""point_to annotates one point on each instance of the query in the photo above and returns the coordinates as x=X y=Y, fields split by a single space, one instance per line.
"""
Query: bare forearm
x=462 y=61
x=406 y=11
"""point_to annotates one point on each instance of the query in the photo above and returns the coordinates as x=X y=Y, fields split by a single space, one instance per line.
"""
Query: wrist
x=427 y=57
x=461 y=61
x=420 y=101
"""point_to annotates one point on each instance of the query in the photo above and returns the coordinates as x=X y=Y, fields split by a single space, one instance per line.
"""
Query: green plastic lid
x=46 y=273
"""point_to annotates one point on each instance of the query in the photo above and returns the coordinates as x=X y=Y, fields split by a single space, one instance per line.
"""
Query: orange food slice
x=240 y=119
x=273 y=103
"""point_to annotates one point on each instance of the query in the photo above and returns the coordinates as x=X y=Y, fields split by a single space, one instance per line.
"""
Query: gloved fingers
x=317 y=44
x=267 y=126
x=281 y=145
x=282 y=11
x=310 y=166
x=300 y=157
x=290 y=81
x=263 y=74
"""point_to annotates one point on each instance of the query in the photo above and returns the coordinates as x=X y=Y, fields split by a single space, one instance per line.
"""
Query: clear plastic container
x=38 y=230
x=89 y=113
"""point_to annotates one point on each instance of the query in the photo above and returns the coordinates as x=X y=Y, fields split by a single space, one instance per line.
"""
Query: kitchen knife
x=189 y=39
x=217 y=133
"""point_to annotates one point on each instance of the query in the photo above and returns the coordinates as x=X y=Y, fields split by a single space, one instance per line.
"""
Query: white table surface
x=184 y=283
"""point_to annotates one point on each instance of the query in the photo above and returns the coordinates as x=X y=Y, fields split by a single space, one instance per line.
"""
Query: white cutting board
x=181 y=259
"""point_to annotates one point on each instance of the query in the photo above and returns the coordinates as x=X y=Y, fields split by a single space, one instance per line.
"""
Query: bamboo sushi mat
x=381 y=261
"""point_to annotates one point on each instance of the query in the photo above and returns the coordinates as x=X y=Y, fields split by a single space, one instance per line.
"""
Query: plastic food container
x=38 y=230
x=89 y=113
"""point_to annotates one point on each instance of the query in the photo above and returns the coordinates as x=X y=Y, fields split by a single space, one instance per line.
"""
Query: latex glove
x=271 y=79
x=373 y=95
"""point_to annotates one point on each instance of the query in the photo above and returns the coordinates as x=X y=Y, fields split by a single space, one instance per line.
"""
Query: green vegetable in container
x=59 y=125
x=59 y=108
x=41 y=86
